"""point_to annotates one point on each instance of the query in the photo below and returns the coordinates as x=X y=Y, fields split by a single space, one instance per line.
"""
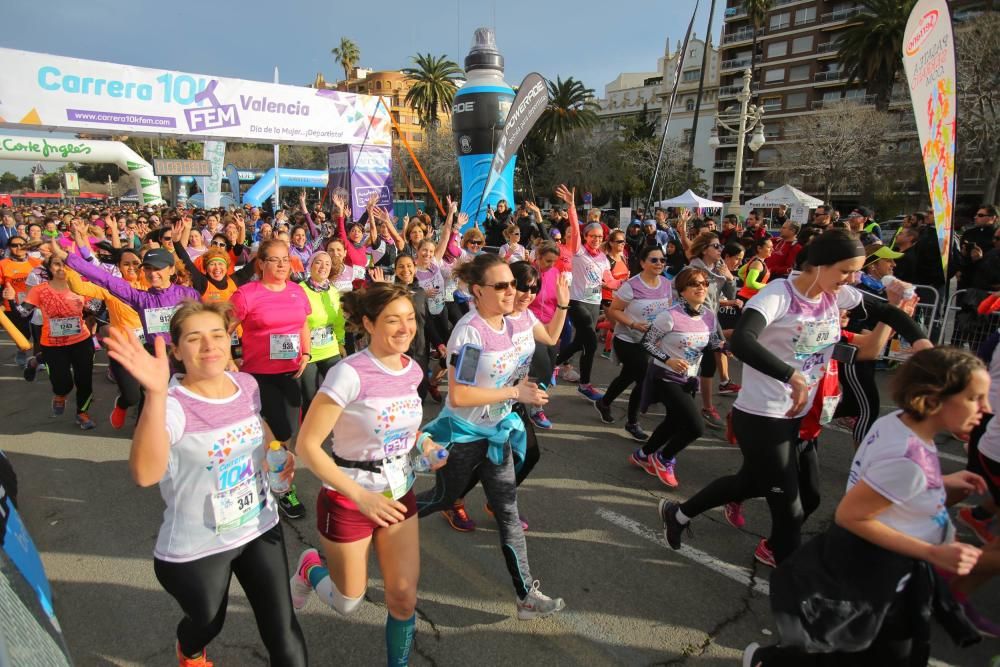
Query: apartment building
x=797 y=72
x=633 y=93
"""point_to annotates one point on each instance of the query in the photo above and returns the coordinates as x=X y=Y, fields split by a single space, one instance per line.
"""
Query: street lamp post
x=749 y=119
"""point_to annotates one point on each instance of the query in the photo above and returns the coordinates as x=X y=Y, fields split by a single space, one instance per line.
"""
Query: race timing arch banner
x=929 y=61
x=71 y=95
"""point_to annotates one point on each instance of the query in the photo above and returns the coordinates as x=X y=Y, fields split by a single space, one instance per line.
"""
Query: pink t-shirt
x=544 y=305
x=272 y=326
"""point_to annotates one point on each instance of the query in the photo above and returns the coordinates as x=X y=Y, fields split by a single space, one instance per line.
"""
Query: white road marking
x=738 y=574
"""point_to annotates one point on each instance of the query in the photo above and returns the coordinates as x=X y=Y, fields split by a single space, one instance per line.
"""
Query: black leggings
x=531 y=454
x=201 y=588
x=129 y=389
x=769 y=470
x=69 y=365
x=584 y=318
x=543 y=363
x=861 y=397
x=437 y=328
x=280 y=402
x=683 y=423
x=634 y=362
x=312 y=378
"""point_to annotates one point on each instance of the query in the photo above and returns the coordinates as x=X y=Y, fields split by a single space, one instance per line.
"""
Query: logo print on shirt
x=223 y=447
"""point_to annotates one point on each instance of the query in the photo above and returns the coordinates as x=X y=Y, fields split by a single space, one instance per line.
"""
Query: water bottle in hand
x=421 y=463
x=277 y=457
x=908 y=290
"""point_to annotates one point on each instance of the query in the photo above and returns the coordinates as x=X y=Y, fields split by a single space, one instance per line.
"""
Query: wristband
x=419 y=444
x=561 y=307
x=308 y=354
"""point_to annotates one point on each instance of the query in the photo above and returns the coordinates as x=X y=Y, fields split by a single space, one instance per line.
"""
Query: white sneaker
x=537 y=604
x=299 y=585
x=568 y=373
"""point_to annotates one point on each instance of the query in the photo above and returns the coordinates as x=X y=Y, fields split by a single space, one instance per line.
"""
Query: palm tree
x=571 y=107
x=870 y=50
x=433 y=86
x=757 y=13
x=347 y=55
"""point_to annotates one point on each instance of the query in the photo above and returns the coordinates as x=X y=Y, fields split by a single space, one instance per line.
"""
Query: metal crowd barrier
x=961 y=324
x=926 y=315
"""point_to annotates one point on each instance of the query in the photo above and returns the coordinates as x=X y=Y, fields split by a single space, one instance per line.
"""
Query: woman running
x=590 y=267
x=634 y=307
x=67 y=350
x=871 y=579
x=456 y=295
x=478 y=424
x=706 y=254
x=121 y=315
x=617 y=254
x=326 y=326
x=276 y=346
x=544 y=306
x=405 y=275
x=528 y=285
x=755 y=273
x=414 y=232
x=219 y=520
x=677 y=339
x=369 y=411
x=785 y=339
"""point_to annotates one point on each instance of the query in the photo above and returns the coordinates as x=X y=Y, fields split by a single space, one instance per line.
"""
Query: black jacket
x=835 y=592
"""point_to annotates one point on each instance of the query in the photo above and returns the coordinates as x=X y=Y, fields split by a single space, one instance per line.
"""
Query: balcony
x=744 y=35
x=826 y=47
x=827 y=77
x=733 y=91
x=782 y=3
x=841 y=15
x=733 y=13
x=861 y=100
x=735 y=64
x=726 y=165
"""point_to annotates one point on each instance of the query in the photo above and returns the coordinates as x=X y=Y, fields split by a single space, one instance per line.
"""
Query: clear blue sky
x=590 y=41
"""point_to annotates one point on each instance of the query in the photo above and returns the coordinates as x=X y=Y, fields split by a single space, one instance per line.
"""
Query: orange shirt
x=62 y=315
x=16 y=274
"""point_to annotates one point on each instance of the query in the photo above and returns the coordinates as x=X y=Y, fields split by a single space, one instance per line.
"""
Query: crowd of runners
x=230 y=334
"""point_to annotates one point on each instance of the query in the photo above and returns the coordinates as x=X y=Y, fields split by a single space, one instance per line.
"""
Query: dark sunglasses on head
x=16 y=245
x=534 y=288
x=474 y=243
x=219 y=244
x=656 y=260
x=717 y=246
x=697 y=283
x=617 y=241
x=504 y=286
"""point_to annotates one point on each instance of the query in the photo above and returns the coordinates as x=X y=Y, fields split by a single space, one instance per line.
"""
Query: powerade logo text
x=924 y=29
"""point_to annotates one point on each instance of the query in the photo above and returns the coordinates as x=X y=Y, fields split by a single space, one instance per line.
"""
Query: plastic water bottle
x=277 y=457
x=908 y=290
x=421 y=463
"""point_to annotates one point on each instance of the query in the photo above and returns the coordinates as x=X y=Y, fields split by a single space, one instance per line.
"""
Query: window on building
x=855 y=94
x=767 y=156
x=777 y=49
x=805 y=15
x=691 y=75
x=686 y=138
x=378 y=85
x=773 y=75
x=779 y=21
x=802 y=44
x=771 y=103
x=795 y=100
x=798 y=73
x=689 y=106
x=831 y=96
x=418 y=136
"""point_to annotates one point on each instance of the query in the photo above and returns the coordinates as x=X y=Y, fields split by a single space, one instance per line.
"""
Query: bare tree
x=837 y=148
x=978 y=75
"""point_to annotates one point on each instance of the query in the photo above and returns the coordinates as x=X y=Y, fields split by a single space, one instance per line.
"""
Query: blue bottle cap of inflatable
x=484 y=54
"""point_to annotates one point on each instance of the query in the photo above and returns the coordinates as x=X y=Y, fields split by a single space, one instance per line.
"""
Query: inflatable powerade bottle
x=478 y=114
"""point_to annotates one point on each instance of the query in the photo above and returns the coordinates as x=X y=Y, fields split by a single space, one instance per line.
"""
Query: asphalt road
x=594 y=539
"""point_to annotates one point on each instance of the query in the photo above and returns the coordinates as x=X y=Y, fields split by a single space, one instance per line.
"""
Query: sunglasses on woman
x=219 y=244
x=534 y=288
x=504 y=286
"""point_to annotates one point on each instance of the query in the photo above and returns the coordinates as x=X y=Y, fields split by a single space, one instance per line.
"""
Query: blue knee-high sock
x=317 y=574
x=399 y=639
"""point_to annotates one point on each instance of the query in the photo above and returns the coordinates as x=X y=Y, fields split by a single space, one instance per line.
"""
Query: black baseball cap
x=158 y=258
